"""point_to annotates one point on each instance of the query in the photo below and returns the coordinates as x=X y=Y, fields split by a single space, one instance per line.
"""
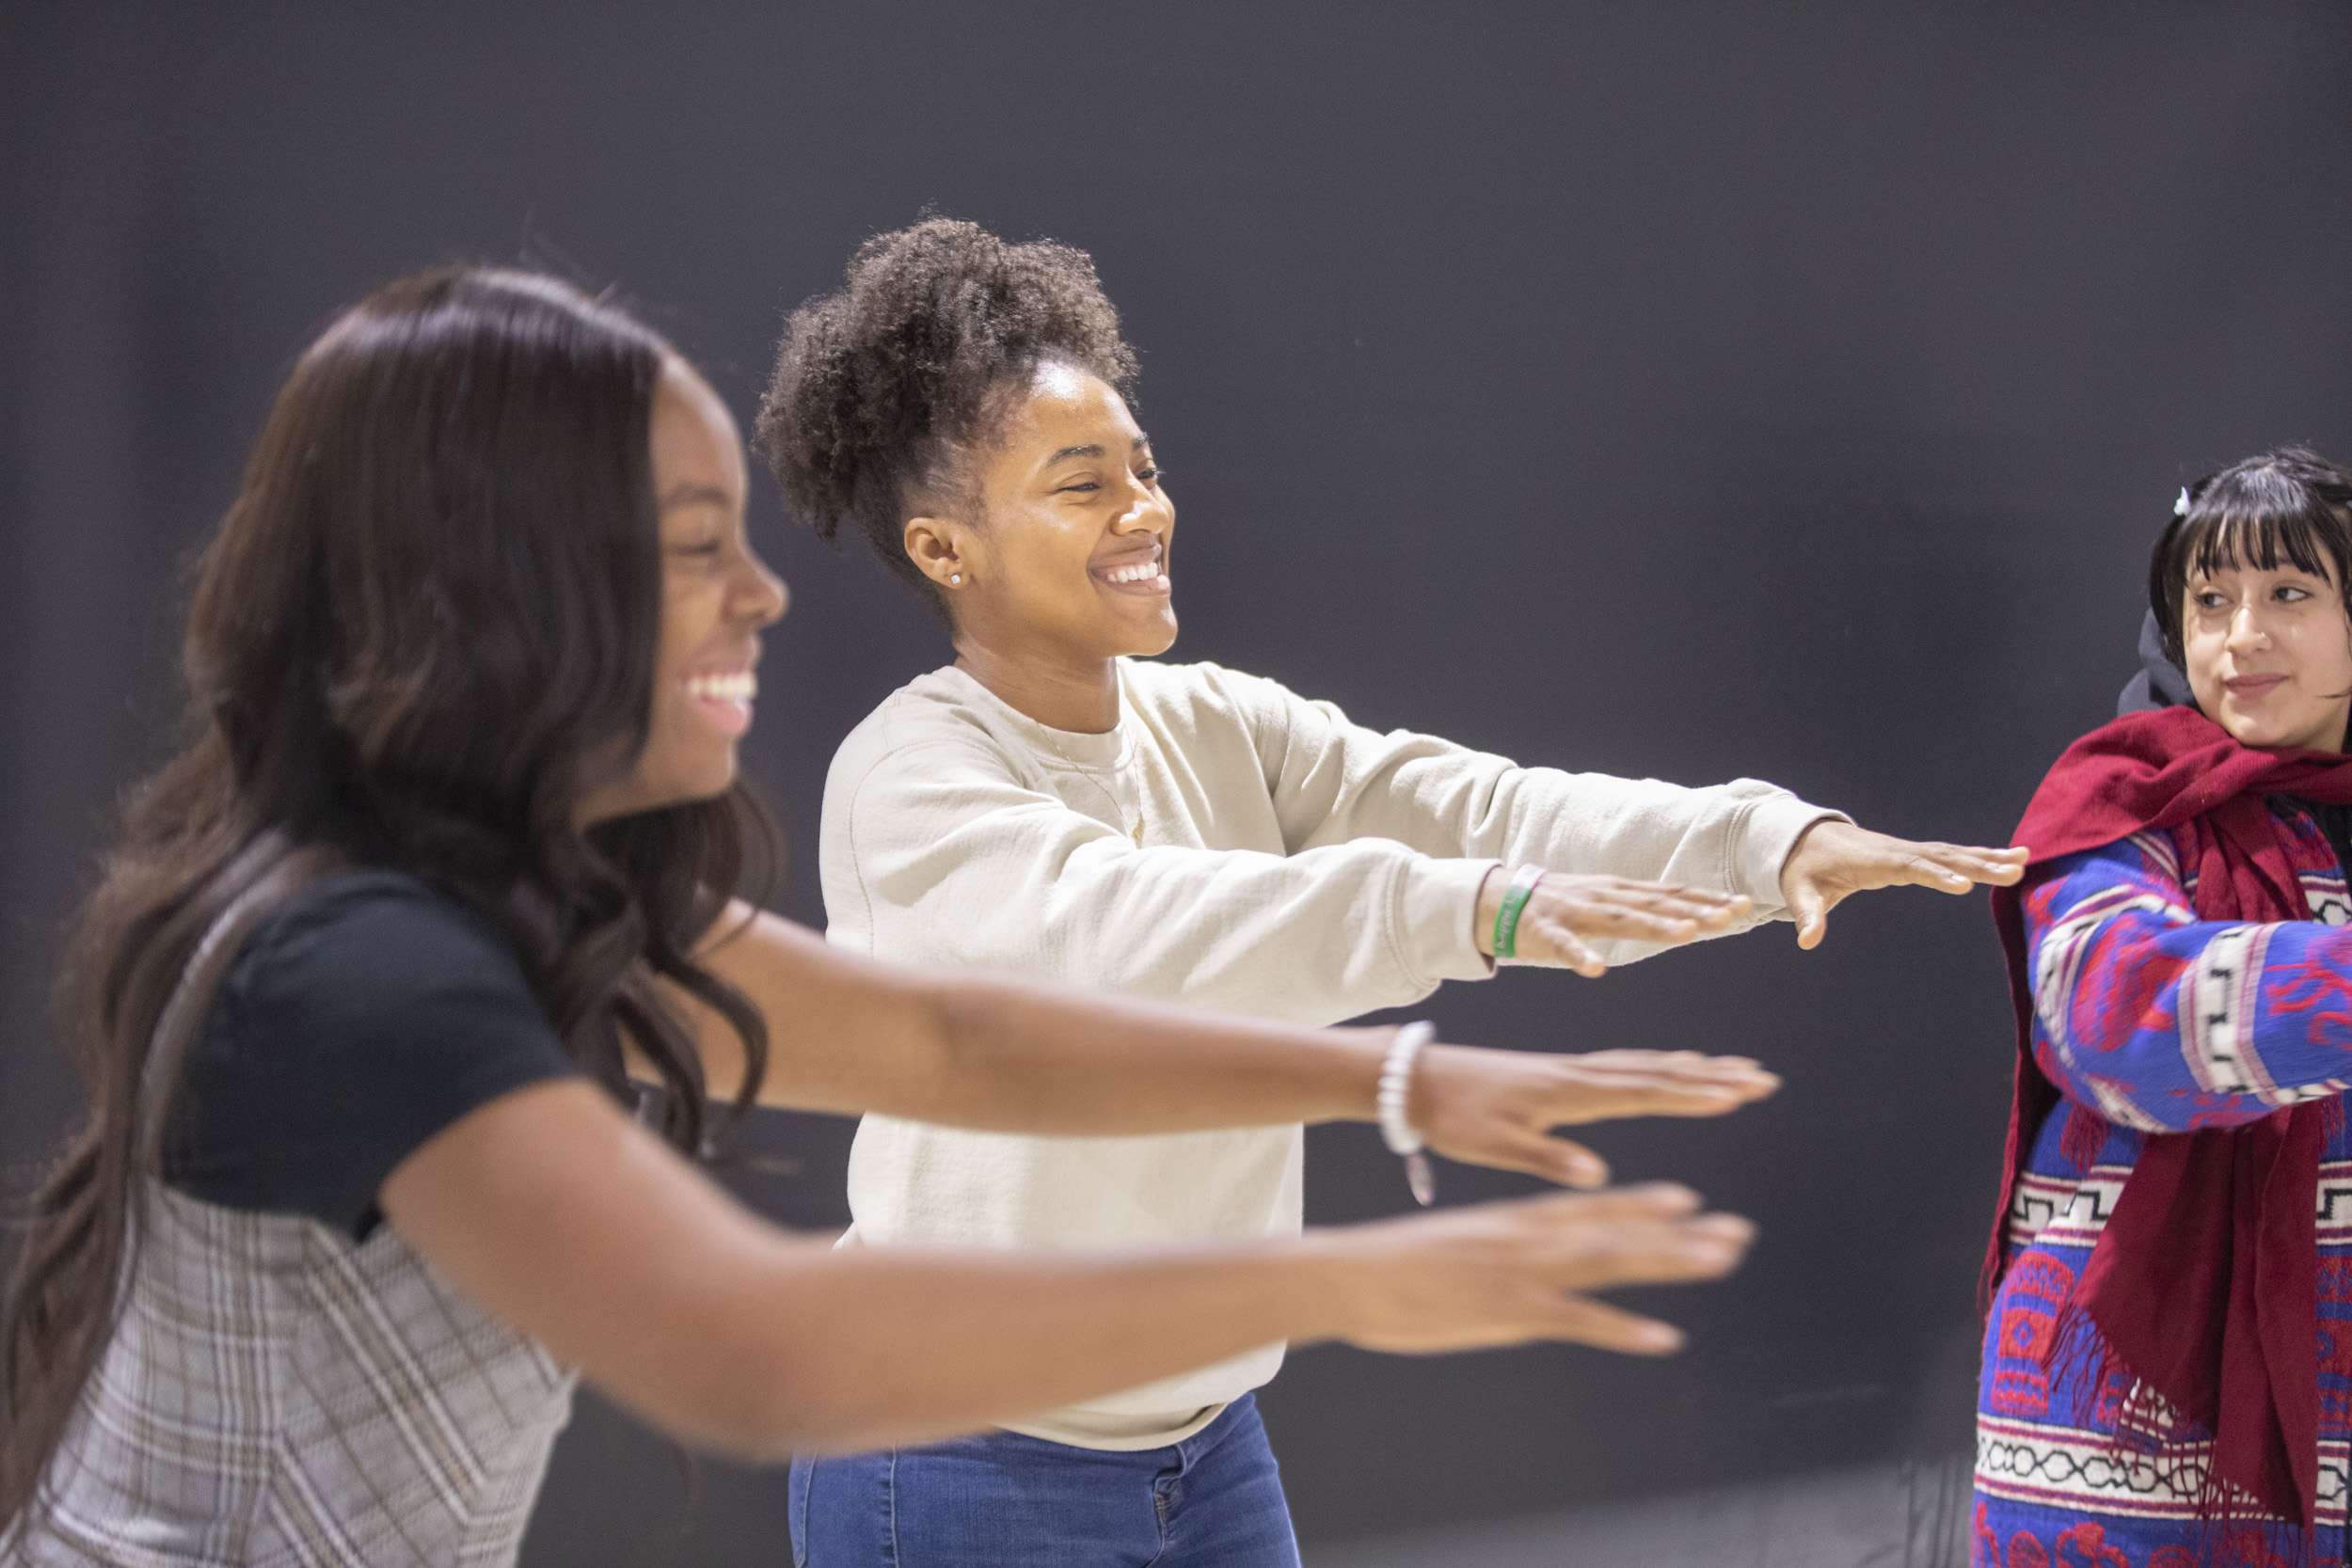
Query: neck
x=1080 y=695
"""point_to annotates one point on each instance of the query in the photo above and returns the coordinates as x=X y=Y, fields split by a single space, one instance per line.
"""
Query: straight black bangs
x=2232 y=540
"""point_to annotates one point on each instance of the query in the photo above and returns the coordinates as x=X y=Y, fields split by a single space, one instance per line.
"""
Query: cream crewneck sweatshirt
x=1230 y=845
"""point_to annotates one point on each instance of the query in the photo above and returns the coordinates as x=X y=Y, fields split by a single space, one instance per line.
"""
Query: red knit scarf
x=2205 y=1282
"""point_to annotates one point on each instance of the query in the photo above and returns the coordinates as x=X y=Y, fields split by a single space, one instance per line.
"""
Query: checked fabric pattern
x=280 y=1395
x=2150 y=1021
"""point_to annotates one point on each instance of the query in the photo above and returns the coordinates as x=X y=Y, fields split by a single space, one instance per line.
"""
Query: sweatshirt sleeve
x=1334 y=781
x=935 y=851
x=2166 y=1023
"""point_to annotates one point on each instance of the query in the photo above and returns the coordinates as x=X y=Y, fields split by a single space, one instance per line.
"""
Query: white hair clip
x=2180 y=508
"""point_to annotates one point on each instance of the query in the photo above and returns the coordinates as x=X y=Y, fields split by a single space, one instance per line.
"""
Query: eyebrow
x=696 y=495
x=1090 y=450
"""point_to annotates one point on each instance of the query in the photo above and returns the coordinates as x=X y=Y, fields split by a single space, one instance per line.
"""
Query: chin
x=1156 y=639
x=701 y=784
x=2271 y=734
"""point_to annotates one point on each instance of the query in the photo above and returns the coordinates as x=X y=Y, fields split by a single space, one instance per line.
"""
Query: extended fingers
x=1633 y=1251
x=1992 y=867
x=1578 y=1321
x=1645 y=1200
x=1553 y=1158
x=1564 y=930
x=1595 y=1093
x=1955 y=868
x=1544 y=937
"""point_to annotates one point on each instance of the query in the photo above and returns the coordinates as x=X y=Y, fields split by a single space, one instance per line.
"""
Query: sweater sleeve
x=1334 y=781
x=2166 y=1023
x=938 y=853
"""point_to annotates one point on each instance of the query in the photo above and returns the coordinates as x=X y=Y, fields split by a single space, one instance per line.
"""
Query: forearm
x=1021 y=1057
x=559 y=1215
x=1339 y=781
x=893 y=1345
x=2164 y=1022
x=977 y=875
x=1730 y=840
x=850 y=1035
x=2172 y=1027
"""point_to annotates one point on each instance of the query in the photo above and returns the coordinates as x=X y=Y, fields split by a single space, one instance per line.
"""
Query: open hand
x=1502 y=1273
x=1497 y=1108
x=1570 y=910
x=1833 y=860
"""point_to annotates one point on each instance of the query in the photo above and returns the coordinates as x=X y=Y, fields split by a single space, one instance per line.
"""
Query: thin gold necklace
x=1118 y=807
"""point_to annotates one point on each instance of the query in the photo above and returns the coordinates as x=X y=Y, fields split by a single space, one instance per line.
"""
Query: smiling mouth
x=724 y=698
x=1145 y=576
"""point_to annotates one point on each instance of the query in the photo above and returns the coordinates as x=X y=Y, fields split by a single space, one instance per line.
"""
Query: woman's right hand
x=1568 y=912
x=1505 y=1274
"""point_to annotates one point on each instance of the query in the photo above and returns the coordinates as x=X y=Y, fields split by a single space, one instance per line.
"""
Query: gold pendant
x=1138 y=832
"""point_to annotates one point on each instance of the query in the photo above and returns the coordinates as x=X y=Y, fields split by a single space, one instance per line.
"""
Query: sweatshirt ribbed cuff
x=1438 y=912
x=1765 y=837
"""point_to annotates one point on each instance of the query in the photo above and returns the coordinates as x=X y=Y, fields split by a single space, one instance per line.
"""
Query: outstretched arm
x=560 y=1215
x=852 y=1035
x=1635 y=865
x=2168 y=1024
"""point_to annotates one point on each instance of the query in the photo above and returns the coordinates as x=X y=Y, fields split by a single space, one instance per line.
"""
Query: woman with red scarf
x=2167 y=1358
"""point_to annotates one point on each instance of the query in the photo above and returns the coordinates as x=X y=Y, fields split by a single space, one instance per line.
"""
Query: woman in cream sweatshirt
x=1050 y=805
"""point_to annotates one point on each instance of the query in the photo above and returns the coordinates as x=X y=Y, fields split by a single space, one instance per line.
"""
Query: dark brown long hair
x=425 y=630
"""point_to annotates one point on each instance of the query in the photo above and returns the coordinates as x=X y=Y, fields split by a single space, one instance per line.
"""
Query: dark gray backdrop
x=1687 y=389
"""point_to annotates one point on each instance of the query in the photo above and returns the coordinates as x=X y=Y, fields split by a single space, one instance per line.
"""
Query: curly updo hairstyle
x=882 y=386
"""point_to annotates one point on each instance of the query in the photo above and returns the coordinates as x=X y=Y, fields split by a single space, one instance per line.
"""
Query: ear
x=935 y=544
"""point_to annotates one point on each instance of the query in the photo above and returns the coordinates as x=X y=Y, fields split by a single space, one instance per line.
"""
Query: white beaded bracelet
x=1397 y=1088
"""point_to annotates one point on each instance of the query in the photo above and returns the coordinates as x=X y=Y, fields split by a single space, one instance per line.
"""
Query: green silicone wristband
x=1515 y=898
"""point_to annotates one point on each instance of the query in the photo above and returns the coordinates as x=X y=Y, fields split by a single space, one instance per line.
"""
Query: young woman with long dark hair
x=1051 y=805
x=2168 y=1353
x=444 y=868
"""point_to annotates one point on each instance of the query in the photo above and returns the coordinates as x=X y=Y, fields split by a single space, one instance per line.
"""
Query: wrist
x=1337 y=1273
x=1355 y=1083
x=1489 y=905
x=1801 y=834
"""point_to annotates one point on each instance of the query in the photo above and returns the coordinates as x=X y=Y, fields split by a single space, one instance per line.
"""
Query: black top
x=359 y=1020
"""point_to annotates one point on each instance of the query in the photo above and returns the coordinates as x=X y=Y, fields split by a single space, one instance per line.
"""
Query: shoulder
x=360 y=1018
x=1204 y=692
x=363 y=956
x=935 y=751
x=944 y=709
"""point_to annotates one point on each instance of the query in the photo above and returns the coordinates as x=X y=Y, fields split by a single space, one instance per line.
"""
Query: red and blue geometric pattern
x=2149 y=1019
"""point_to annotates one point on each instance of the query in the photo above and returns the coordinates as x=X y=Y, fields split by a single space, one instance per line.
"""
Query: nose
x=2247 y=630
x=1143 y=504
x=761 y=596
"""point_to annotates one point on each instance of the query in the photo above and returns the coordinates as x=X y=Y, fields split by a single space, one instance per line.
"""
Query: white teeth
x=739 y=688
x=1144 y=573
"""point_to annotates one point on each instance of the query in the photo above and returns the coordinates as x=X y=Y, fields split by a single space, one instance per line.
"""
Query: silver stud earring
x=957 y=577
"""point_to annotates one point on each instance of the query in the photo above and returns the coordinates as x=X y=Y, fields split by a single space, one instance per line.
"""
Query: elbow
x=757 y=1419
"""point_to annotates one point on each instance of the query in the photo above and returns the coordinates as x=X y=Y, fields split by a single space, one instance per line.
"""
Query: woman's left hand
x=1835 y=859
x=1497 y=1108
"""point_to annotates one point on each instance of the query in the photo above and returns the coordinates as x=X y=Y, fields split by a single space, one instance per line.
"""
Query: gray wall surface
x=1686 y=389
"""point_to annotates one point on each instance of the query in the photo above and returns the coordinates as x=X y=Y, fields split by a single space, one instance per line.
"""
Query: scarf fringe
x=2232 y=1529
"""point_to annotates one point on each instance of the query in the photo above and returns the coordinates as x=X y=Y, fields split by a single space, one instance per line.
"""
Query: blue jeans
x=1002 y=1500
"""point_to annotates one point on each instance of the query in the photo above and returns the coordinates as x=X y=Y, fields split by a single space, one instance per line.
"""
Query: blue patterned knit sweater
x=2149 y=1019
